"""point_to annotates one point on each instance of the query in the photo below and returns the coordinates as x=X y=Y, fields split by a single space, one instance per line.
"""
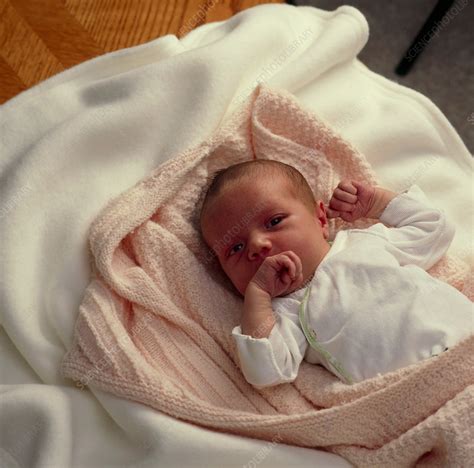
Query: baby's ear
x=320 y=209
x=326 y=214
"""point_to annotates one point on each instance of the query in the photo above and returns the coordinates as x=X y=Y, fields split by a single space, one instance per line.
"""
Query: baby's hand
x=279 y=273
x=351 y=200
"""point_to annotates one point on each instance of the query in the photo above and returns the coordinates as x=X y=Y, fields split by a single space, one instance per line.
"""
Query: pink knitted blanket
x=155 y=322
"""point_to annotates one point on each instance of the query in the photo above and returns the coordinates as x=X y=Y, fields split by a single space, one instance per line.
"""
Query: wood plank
x=60 y=32
x=39 y=38
x=23 y=50
x=10 y=83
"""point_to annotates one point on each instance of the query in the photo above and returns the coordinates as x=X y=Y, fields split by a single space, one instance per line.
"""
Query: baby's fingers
x=296 y=263
x=338 y=205
x=344 y=195
x=288 y=266
x=347 y=186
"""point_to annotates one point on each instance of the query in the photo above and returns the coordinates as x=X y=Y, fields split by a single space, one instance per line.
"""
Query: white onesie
x=371 y=304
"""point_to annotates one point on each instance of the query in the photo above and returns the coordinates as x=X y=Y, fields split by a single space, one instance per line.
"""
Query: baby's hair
x=297 y=184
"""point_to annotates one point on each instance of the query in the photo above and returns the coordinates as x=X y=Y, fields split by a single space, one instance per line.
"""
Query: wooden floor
x=39 y=38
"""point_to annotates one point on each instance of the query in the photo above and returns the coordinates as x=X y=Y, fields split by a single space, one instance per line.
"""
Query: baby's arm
x=257 y=317
x=421 y=234
x=270 y=351
x=275 y=359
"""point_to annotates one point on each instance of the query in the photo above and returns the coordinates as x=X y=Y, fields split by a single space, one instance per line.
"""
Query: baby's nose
x=260 y=248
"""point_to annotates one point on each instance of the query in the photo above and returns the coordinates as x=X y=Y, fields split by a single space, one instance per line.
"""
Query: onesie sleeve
x=420 y=233
x=274 y=360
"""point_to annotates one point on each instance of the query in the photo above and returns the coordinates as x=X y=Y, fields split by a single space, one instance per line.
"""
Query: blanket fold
x=155 y=322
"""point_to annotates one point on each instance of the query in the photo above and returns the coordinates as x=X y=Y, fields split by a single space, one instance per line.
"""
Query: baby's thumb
x=332 y=213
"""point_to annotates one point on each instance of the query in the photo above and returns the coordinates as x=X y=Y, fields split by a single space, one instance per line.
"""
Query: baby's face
x=252 y=220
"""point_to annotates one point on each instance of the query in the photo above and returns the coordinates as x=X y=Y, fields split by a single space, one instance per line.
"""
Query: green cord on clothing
x=331 y=361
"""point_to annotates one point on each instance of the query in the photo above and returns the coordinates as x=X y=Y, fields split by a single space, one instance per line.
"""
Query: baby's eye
x=232 y=249
x=277 y=218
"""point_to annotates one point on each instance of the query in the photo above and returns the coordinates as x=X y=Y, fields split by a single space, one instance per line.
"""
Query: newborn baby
x=361 y=305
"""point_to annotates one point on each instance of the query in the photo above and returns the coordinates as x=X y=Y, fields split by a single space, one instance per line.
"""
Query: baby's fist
x=351 y=200
x=279 y=273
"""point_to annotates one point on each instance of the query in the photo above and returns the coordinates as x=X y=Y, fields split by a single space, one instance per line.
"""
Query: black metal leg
x=419 y=43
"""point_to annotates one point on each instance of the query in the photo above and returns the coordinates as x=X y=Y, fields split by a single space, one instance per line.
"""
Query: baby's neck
x=306 y=283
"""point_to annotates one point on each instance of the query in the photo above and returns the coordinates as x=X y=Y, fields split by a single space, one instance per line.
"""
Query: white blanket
x=82 y=137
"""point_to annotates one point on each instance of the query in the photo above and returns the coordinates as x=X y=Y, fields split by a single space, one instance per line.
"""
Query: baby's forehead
x=250 y=200
x=266 y=185
x=249 y=194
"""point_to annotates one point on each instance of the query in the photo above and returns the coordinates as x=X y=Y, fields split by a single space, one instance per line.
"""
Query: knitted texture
x=156 y=319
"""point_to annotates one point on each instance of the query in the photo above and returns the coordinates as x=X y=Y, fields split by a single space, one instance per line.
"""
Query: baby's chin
x=290 y=290
x=300 y=284
x=293 y=288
